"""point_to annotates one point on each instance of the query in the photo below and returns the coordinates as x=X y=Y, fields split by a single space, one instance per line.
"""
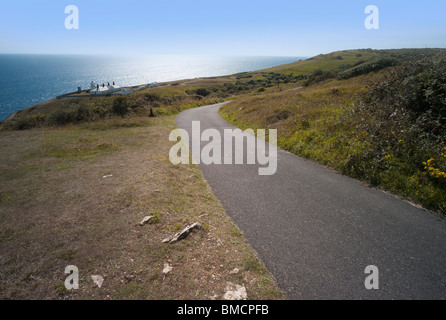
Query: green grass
x=341 y=60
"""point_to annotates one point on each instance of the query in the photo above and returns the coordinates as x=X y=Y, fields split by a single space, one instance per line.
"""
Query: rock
x=202 y=216
x=235 y=271
x=128 y=278
x=235 y=292
x=98 y=280
x=180 y=235
x=145 y=220
x=167 y=268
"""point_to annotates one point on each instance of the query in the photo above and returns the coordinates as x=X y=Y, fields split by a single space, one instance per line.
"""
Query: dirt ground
x=75 y=196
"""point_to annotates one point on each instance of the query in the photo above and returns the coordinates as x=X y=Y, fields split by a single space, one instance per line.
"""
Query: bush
x=152 y=97
x=319 y=76
x=317 y=73
x=403 y=121
x=120 y=106
x=417 y=89
x=62 y=117
x=83 y=114
x=28 y=122
x=366 y=67
x=202 y=92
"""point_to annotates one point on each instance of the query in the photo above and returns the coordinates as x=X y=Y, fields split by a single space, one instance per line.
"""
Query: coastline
x=48 y=82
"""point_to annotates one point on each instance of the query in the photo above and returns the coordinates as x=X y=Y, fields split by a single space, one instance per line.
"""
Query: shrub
x=418 y=89
x=202 y=92
x=403 y=118
x=319 y=76
x=317 y=73
x=62 y=116
x=28 y=122
x=83 y=114
x=152 y=97
x=366 y=67
x=120 y=106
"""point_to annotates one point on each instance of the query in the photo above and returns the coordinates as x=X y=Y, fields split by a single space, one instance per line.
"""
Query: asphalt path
x=317 y=230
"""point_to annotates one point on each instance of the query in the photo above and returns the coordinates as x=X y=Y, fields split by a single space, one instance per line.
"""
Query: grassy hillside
x=342 y=60
x=386 y=127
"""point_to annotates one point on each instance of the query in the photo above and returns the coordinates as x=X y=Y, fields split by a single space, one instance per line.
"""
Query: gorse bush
x=366 y=67
x=202 y=92
x=120 y=106
x=62 y=117
x=28 y=122
x=418 y=88
x=402 y=119
x=431 y=166
x=152 y=97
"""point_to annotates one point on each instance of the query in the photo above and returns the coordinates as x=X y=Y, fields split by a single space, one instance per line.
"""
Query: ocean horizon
x=28 y=79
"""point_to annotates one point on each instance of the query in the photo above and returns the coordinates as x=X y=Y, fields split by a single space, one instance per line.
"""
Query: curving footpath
x=317 y=231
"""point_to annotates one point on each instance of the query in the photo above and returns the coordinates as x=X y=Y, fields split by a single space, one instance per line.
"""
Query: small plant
x=431 y=167
x=155 y=219
x=176 y=227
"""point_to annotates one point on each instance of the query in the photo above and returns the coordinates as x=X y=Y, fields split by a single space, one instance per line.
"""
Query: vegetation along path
x=317 y=230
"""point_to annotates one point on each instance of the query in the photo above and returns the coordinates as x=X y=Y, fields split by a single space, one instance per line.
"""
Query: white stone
x=235 y=271
x=98 y=280
x=235 y=292
x=167 y=268
x=145 y=220
x=180 y=235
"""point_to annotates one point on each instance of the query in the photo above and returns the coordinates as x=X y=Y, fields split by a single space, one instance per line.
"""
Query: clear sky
x=218 y=27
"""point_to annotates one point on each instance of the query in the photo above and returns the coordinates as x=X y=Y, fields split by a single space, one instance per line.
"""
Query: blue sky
x=218 y=27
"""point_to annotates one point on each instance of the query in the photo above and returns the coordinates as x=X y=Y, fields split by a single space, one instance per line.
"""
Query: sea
x=26 y=80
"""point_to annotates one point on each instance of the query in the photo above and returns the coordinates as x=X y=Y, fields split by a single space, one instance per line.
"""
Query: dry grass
x=57 y=209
